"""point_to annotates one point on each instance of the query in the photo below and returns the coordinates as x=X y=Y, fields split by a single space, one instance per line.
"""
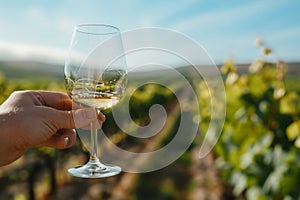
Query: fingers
x=55 y=100
x=84 y=117
x=63 y=139
x=101 y=117
x=75 y=119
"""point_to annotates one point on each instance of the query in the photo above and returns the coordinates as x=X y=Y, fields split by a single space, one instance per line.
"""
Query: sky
x=42 y=29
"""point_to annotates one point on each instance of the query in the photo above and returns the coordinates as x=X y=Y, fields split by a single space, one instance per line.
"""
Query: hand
x=33 y=118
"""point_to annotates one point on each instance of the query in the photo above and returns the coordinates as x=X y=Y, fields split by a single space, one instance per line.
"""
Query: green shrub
x=258 y=150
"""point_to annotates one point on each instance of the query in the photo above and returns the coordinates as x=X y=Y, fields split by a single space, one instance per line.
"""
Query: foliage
x=258 y=151
x=39 y=167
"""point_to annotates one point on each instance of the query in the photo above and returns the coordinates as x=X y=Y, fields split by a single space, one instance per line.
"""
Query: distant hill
x=293 y=68
x=28 y=69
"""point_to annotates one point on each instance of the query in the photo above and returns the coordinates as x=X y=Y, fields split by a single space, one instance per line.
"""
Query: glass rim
x=87 y=29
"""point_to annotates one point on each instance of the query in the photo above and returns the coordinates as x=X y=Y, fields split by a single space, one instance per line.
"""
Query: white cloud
x=215 y=18
x=13 y=51
x=34 y=12
x=33 y=26
x=285 y=43
x=156 y=14
x=283 y=34
x=66 y=24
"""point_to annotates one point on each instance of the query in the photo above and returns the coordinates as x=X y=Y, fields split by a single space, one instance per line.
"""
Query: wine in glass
x=95 y=77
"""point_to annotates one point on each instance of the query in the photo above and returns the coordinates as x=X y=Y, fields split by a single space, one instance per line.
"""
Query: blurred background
x=256 y=45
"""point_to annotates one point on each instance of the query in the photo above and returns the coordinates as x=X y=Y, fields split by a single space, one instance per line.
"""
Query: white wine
x=99 y=94
x=99 y=103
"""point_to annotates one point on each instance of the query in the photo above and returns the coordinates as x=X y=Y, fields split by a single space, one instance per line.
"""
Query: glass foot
x=94 y=169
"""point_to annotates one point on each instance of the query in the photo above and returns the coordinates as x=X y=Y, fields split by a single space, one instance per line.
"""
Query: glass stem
x=94 y=142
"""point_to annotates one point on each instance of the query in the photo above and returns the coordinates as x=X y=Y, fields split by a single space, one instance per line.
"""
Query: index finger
x=57 y=100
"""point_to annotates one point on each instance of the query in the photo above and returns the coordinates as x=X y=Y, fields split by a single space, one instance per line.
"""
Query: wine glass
x=96 y=77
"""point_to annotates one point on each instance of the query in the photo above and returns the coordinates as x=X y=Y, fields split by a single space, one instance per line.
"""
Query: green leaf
x=256 y=193
x=231 y=78
x=256 y=66
x=239 y=180
x=267 y=51
x=297 y=142
x=257 y=86
x=290 y=103
x=293 y=130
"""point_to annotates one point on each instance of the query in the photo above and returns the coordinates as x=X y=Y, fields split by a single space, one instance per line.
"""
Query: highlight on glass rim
x=150 y=100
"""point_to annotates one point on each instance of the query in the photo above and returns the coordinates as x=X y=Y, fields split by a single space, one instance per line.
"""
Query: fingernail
x=66 y=141
x=102 y=116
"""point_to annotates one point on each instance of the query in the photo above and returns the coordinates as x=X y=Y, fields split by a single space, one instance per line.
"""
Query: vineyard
x=256 y=157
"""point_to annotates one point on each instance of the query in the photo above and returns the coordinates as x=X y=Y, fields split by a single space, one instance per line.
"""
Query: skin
x=30 y=119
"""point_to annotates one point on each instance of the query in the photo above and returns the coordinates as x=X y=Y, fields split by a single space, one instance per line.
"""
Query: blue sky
x=42 y=30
